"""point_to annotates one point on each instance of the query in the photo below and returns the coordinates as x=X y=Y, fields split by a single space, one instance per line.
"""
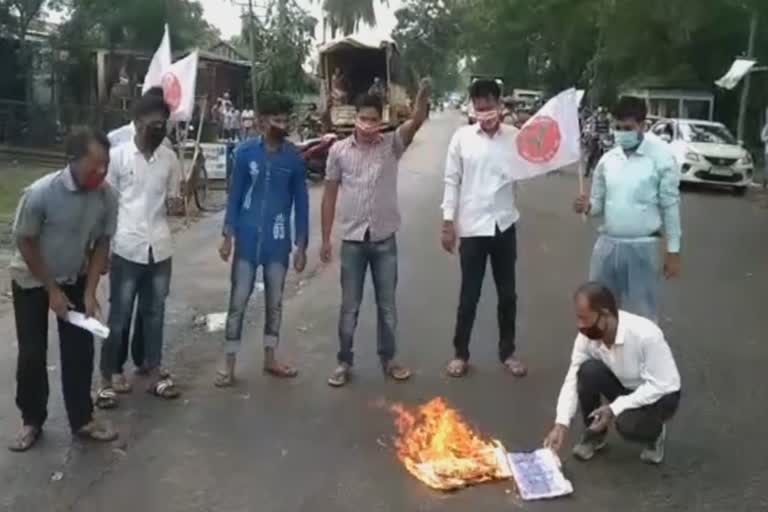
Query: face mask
x=93 y=180
x=155 y=136
x=367 y=131
x=489 y=120
x=593 y=332
x=627 y=139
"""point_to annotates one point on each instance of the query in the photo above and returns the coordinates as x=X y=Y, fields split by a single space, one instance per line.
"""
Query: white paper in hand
x=89 y=324
x=538 y=475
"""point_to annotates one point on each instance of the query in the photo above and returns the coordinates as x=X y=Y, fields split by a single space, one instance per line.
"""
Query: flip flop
x=24 y=442
x=121 y=385
x=396 y=372
x=224 y=379
x=165 y=388
x=516 y=367
x=106 y=398
x=457 y=368
x=339 y=377
x=96 y=431
x=282 y=371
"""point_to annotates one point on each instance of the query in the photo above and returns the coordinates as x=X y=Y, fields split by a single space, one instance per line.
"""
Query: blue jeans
x=243 y=278
x=355 y=259
x=151 y=282
x=632 y=271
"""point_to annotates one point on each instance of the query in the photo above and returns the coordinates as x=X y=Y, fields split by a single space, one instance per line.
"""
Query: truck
x=349 y=67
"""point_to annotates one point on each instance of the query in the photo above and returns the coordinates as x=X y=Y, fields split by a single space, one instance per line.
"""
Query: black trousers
x=75 y=345
x=643 y=425
x=474 y=253
x=136 y=344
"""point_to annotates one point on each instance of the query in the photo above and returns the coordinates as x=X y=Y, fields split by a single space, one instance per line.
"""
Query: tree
x=426 y=34
x=345 y=16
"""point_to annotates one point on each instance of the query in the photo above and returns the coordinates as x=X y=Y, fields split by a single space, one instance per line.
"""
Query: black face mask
x=155 y=136
x=593 y=332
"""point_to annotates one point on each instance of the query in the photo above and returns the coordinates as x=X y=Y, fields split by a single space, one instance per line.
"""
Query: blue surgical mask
x=627 y=139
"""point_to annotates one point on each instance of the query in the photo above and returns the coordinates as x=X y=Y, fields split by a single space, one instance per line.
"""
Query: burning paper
x=438 y=447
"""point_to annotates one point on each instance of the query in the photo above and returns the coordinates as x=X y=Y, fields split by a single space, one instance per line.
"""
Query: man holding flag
x=636 y=190
x=484 y=163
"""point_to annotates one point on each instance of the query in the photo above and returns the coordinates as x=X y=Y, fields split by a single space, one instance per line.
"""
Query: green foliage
x=345 y=16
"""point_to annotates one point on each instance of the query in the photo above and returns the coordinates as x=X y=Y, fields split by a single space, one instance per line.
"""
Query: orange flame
x=438 y=447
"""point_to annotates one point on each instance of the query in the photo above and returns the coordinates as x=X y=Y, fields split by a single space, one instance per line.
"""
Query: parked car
x=707 y=153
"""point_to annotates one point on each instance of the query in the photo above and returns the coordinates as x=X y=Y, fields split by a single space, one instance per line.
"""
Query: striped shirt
x=367 y=174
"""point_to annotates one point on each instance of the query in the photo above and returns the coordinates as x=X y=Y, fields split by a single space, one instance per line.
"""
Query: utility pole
x=743 y=103
x=254 y=74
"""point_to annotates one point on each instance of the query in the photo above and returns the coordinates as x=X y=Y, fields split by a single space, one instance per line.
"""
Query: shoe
x=589 y=445
x=654 y=453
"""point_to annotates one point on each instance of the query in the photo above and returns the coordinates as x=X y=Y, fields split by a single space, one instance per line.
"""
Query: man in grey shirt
x=62 y=230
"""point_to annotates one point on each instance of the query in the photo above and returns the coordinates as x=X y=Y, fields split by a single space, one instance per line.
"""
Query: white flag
x=161 y=61
x=739 y=70
x=551 y=139
x=179 y=85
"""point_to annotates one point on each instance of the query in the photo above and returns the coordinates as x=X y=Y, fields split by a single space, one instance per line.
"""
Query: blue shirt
x=264 y=188
x=639 y=194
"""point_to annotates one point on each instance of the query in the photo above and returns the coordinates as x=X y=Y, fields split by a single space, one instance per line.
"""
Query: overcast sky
x=225 y=14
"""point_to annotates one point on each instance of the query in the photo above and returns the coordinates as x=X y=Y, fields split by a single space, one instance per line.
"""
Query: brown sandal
x=99 y=432
x=26 y=439
x=396 y=372
x=281 y=371
x=165 y=388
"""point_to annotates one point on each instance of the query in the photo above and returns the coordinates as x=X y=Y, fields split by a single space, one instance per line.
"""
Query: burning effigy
x=437 y=446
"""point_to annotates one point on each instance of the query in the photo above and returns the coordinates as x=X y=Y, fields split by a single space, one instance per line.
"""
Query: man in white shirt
x=624 y=359
x=144 y=173
x=479 y=208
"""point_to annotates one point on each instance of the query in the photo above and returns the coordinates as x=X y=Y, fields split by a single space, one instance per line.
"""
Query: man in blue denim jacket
x=268 y=181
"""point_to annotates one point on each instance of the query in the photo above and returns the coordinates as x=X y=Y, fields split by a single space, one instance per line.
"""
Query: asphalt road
x=301 y=446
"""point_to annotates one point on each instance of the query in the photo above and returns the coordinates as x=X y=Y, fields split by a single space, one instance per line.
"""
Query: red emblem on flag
x=539 y=141
x=172 y=91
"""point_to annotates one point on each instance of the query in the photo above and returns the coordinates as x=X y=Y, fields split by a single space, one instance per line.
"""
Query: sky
x=225 y=15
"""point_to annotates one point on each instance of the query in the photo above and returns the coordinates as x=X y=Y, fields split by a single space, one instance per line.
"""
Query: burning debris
x=438 y=447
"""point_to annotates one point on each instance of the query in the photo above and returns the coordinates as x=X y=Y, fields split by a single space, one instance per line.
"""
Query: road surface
x=300 y=446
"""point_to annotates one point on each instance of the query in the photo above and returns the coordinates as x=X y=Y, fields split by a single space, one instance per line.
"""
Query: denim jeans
x=632 y=271
x=355 y=259
x=243 y=278
x=151 y=283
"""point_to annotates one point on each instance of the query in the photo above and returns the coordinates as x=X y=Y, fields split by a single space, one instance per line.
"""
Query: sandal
x=165 y=388
x=106 y=398
x=340 y=376
x=97 y=431
x=457 y=368
x=121 y=385
x=516 y=367
x=26 y=439
x=396 y=372
x=224 y=379
x=281 y=371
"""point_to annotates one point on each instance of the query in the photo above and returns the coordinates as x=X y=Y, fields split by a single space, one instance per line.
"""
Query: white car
x=707 y=153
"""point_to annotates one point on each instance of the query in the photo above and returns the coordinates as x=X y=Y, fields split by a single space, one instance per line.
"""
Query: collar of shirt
x=378 y=140
x=134 y=149
x=497 y=133
x=69 y=180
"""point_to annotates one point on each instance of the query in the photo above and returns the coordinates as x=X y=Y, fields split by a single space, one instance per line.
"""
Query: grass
x=14 y=177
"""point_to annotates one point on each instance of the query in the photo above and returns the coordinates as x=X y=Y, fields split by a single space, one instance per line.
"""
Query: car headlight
x=692 y=157
x=745 y=160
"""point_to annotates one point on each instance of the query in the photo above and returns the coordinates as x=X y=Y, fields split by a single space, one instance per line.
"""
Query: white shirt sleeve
x=454 y=171
x=658 y=372
x=568 y=401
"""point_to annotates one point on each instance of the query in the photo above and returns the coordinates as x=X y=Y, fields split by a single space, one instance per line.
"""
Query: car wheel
x=740 y=191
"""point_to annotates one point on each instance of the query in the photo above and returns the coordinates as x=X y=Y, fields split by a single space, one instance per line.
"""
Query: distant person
x=636 y=190
x=63 y=227
x=625 y=360
x=339 y=95
x=764 y=138
x=378 y=89
x=248 y=119
x=362 y=176
x=480 y=216
x=268 y=189
x=145 y=174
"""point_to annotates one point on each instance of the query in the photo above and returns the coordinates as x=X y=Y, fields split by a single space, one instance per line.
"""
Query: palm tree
x=345 y=16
